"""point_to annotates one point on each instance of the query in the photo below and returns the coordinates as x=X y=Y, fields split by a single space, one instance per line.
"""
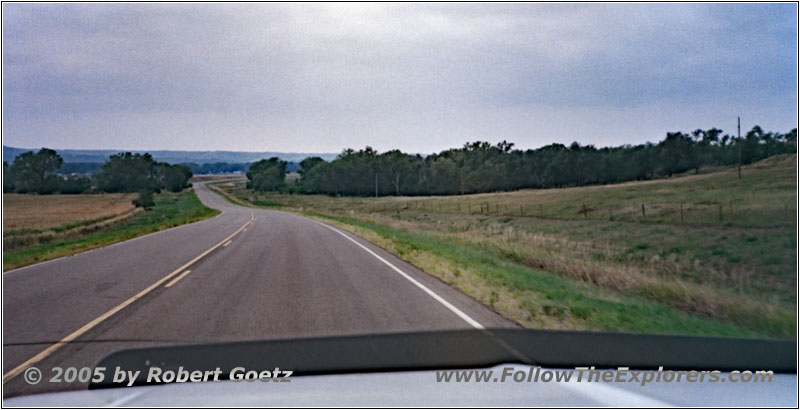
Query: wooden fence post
x=643 y=212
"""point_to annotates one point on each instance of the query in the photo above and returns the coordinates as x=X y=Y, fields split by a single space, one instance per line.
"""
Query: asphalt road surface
x=253 y=274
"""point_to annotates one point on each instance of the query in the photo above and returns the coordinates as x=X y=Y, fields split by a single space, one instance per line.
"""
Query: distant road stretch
x=247 y=274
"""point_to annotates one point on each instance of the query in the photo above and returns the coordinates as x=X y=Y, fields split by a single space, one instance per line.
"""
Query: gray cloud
x=321 y=77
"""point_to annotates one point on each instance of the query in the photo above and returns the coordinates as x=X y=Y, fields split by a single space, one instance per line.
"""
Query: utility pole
x=739 y=142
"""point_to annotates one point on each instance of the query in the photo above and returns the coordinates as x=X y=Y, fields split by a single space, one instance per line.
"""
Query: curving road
x=253 y=274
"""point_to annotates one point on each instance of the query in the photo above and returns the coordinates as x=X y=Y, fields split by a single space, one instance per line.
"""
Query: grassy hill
x=713 y=254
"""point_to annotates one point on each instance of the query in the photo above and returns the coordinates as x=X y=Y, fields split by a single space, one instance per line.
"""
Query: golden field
x=36 y=213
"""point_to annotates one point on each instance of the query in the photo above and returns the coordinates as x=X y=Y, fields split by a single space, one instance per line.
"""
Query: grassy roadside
x=536 y=298
x=170 y=210
x=696 y=277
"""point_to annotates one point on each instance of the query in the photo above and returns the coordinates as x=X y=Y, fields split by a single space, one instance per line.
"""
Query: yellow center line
x=174 y=281
x=74 y=335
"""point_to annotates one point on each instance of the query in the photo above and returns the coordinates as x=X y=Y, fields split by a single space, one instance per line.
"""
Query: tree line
x=91 y=168
x=124 y=172
x=483 y=167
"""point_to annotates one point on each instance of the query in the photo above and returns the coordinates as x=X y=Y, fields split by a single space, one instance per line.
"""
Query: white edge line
x=474 y=323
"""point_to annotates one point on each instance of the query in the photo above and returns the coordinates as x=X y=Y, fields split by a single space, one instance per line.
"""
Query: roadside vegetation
x=586 y=257
x=81 y=229
x=48 y=215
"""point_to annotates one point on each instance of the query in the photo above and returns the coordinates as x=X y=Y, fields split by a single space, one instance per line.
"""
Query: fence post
x=681 y=211
x=520 y=211
x=643 y=212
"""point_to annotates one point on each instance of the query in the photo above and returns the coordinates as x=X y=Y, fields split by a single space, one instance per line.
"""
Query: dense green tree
x=8 y=180
x=309 y=163
x=75 y=184
x=445 y=177
x=173 y=177
x=144 y=199
x=36 y=172
x=127 y=172
x=267 y=174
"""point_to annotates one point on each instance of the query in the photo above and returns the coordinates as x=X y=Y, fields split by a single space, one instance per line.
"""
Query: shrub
x=144 y=200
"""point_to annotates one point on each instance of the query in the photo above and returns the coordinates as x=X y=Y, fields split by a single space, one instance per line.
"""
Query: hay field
x=37 y=213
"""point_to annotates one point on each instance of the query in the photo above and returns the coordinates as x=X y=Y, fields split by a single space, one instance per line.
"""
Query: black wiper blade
x=461 y=349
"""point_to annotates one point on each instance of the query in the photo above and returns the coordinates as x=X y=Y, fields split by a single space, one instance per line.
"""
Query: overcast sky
x=418 y=77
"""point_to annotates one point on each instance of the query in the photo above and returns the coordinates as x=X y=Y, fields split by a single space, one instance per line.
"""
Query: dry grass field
x=42 y=227
x=36 y=213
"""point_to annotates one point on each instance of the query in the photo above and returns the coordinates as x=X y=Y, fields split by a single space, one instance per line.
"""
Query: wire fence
x=744 y=212
x=730 y=212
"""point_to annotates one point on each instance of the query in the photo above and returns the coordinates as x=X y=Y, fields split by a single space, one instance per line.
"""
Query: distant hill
x=173 y=157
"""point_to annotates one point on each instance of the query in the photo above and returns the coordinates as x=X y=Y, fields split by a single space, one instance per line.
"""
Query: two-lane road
x=247 y=274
